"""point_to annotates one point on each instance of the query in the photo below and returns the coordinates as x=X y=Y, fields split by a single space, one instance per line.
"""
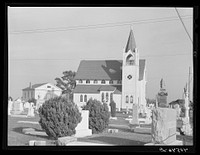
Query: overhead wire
x=155 y=20
x=183 y=25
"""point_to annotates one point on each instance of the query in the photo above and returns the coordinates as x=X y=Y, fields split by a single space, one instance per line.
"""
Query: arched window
x=95 y=81
x=80 y=81
x=102 y=97
x=106 y=97
x=87 y=81
x=111 y=97
x=111 y=82
x=127 y=99
x=130 y=60
x=103 y=81
x=81 y=98
x=85 y=98
x=131 y=99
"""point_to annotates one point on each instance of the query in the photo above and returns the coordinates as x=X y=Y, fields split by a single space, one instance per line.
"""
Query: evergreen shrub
x=98 y=115
x=59 y=117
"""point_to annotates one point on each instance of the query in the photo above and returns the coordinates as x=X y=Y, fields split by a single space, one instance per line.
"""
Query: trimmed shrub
x=113 y=108
x=98 y=115
x=59 y=117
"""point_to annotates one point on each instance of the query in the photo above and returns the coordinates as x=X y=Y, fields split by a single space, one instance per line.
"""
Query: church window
x=130 y=60
x=87 y=81
x=85 y=98
x=80 y=81
x=111 y=82
x=81 y=98
x=102 y=97
x=131 y=99
x=106 y=97
x=119 y=82
x=103 y=82
x=127 y=99
x=111 y=96
x=95 y=81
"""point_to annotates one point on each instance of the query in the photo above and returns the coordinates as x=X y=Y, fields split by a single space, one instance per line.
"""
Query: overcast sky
x=44 y=42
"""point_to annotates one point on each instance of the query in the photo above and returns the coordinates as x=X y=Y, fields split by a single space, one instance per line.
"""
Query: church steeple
x=131 y=45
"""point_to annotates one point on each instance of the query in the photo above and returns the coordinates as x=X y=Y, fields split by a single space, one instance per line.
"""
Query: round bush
x=98 y=115
x=59 y=117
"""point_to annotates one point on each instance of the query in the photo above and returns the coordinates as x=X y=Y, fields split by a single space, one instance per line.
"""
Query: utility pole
x=189 y=86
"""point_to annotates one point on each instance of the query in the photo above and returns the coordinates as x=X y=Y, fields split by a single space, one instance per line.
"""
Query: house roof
x=104 y=69
x=34 y=86
x=96 y=89
x=131 y=45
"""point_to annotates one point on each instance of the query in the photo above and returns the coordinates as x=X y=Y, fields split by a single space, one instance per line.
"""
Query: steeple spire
x=131 y=45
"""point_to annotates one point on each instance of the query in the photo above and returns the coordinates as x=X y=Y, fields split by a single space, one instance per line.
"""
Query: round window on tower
x=129 y=77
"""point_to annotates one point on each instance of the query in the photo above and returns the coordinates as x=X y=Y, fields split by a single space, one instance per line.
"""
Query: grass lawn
x=124 y=136
x=17 y=137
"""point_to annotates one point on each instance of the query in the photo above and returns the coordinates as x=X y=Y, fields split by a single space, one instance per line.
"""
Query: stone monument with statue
x=186 y=127
x=163 y=129
x=162 y=95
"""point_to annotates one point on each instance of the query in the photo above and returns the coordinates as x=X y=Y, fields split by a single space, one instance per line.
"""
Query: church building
x=123 y=81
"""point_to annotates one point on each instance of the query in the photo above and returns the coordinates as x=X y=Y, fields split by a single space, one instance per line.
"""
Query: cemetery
x=158 y=127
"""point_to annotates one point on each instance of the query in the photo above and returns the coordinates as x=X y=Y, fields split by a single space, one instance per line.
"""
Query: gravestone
x=148 y=118
x=17 y=107
x=162 y=95
x=39 y=103
x=63 y=141
x=135 y=121
x=10 y=105
x=163 y=129
x=186 y=127
x=82 y=128
x=31 y=110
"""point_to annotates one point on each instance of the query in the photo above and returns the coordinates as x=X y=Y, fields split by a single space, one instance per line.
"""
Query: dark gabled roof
x=104 y=69
x=34 y=86
x=107 y=88
x=99 y=69
x=131 y=45
x=96 y=88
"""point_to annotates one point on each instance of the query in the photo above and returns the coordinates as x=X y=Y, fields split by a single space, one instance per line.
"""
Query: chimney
x=30 y=85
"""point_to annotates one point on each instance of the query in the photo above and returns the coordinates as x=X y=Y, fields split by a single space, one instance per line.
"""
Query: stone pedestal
x=135 y=120
x=163 y=125
x=63 y=141
x=162 y=98
x=186 y=127
x=82 y=128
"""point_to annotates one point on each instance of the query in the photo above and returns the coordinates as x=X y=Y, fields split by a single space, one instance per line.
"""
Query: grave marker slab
x=82 y=128
x=163 y=125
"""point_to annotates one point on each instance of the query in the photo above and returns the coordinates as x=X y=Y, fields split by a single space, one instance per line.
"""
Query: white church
x=123 y=81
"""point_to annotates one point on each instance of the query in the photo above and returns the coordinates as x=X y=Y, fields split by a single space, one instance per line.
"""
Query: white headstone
x=31 y=110
x=82 y=128
x=26 y=105
x=135 y=120
x=10 y=104
x=17 y=107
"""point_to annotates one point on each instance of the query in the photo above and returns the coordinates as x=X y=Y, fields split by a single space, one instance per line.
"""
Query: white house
x=123 y=81
x=42 y=91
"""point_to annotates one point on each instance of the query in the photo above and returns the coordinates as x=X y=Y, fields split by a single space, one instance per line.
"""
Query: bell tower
x=130 y=73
